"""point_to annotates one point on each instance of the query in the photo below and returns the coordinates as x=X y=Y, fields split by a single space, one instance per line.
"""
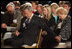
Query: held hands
x=58 y=38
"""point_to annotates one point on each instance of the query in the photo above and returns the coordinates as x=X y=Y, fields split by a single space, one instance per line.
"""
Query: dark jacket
x=53 y=25
x=7 y=18
x=37 y=13
x=50 y=42
x=65 y=31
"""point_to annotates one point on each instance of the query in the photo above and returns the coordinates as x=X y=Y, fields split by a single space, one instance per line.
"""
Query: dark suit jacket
x=30 y=33
x=36 y=13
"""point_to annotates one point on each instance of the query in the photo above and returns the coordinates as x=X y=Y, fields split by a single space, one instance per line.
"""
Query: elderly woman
x=64 y=23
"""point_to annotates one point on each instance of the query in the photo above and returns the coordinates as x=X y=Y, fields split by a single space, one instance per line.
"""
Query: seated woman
x=49 y=42
x=47 y=12
x=54 y=6
x=64 y=23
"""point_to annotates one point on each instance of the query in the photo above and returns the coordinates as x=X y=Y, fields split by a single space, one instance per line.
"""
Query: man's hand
x=3 y=25
x=17 y=33
x=58 y=38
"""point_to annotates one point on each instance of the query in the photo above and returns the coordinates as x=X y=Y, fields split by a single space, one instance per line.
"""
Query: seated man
x=30 y=28
x=12 y=17
x=7 y=18
x=11 y=20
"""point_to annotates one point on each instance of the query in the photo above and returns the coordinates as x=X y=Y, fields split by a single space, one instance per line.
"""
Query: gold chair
x=38 y=44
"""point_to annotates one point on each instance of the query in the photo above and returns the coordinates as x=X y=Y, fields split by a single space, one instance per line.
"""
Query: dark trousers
x=16 y=43
x=48 y=42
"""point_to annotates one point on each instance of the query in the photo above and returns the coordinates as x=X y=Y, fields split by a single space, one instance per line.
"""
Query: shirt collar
x=31 y=16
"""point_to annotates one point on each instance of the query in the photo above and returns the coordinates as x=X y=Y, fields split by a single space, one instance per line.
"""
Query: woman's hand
x=58 y=38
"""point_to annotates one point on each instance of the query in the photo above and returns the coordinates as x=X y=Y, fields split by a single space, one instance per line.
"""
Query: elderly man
x=10 y=21
x=12 y=16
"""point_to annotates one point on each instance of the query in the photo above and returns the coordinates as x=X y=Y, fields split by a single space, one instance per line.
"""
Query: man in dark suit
x=30 y=28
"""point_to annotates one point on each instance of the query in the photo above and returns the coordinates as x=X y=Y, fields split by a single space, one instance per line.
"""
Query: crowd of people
x=31 y=17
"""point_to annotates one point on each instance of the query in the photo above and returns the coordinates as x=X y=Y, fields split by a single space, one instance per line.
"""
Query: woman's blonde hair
x=54 y=5
x=59 y=11
x=48 y=16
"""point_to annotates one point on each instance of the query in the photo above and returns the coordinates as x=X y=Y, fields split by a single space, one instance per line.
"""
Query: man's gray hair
x=24 y=7
x=29 y=4
x=11 y=4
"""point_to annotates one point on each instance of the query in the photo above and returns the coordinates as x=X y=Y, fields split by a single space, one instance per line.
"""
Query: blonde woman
x=64 y=23
x=47 y=12
x=61 y=13
x=54 y=6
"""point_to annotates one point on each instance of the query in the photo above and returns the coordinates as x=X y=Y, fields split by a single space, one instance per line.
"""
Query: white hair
x=11 y=4
x=28 y=4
